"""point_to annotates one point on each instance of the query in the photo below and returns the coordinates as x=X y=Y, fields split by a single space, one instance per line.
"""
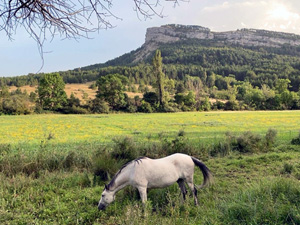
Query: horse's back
x=164 y=171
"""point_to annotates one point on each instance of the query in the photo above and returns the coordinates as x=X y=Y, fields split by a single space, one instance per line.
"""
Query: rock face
x=245 y=37
x=248 y=37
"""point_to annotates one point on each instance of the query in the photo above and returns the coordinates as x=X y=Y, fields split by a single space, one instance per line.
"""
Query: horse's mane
x=112 y=182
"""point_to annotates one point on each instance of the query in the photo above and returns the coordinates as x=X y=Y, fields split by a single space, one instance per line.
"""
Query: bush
x=270 y=137
x=124 y=149
x=178 y=145
x=221 y=149
x=104 y=167
x=99 y=106
x=16 y=105
x=248 y=142
x=145 y=107
x=231 y=105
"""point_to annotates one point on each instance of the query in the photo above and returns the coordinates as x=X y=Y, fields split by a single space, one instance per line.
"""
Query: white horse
x=143 y=173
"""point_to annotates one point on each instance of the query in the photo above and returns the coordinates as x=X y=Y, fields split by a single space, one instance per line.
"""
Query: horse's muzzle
x=101 y=206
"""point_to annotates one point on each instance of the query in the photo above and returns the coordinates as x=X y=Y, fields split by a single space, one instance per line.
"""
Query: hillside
x=197 y=51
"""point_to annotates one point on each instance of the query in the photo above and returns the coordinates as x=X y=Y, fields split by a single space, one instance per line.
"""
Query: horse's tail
x=207 y=175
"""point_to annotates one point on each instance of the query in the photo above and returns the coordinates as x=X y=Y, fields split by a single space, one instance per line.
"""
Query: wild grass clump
x=180 y=144
x=12 y=164
x=274 y=201
x=247 y=142
x=222 y=148
x=296 y=140
x=270 y=137
x=287 y=168
x=124 y=149
x=104 y=167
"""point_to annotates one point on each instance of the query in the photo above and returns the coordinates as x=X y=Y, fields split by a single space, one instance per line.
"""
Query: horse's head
x=107 y=197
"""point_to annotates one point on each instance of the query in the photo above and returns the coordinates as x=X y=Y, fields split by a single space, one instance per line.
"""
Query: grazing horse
x=143 y=173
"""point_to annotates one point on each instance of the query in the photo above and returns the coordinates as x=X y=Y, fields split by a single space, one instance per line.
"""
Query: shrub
x=104 y=167
x=75 y=160
x=270 y=137
x=222 y=148
x=248 y=142
x=178 y=145
x=16 y=105
x=231 y=105
x=124 y=148
x=99 y=106
x=145 y=107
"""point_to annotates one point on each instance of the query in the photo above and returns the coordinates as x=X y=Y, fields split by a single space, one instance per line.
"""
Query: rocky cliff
x=248 y=37
x=245 y=37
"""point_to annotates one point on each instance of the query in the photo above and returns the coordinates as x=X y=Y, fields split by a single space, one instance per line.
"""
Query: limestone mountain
x=168 y=35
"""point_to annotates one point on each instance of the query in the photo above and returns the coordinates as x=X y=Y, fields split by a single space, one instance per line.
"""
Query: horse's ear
x=106 y=188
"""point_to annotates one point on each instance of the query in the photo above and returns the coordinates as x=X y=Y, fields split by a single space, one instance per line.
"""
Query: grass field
x=204 y=126
x=47 y=168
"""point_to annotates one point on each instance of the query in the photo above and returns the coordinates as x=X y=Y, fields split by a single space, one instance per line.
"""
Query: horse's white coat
x=153 y=173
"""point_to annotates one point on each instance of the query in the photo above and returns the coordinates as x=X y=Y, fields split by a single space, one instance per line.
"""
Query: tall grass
x=273 y=201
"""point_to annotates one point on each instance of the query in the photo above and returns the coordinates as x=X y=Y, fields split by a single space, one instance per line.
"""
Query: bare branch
x=68 y=19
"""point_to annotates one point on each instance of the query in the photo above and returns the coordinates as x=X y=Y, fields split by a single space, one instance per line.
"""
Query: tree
x=160 y=77
x=111 y=89
x=52 y=95
x=68 y=19
x=282 y=85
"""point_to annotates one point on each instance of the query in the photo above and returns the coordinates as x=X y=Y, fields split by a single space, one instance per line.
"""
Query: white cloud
x=278 y=15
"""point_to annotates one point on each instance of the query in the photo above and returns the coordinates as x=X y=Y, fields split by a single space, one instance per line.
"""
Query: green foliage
x=205 y=105
x=51 y=92
x=104 y=166
x=145 y=107
x=124 y=149
x=111 y=89
x=17 y=104
x=99 y=106
x=270 y=137
x=187 y=102
x=160 y=77
x=247 y=142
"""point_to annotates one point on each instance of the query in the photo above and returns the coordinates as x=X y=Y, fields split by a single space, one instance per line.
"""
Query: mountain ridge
x=245 y=37
x=156 y=37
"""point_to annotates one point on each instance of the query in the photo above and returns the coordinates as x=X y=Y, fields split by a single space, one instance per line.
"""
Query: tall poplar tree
x=160 y=77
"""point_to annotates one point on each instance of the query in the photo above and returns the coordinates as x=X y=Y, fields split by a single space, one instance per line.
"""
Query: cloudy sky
x=21 y=56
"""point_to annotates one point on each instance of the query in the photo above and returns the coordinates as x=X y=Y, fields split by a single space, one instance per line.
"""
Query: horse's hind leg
x=194 y=191
x=182 y=187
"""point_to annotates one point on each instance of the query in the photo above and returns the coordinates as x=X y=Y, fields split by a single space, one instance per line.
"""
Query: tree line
x=161 y=93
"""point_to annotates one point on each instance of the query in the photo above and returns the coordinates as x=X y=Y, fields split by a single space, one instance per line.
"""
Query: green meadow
x=53 y=167
x=205 y=126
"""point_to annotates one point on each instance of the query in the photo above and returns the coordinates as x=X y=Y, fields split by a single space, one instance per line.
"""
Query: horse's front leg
x=143 y=193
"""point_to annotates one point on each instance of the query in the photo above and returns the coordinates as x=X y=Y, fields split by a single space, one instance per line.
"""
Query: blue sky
x=21 y=56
